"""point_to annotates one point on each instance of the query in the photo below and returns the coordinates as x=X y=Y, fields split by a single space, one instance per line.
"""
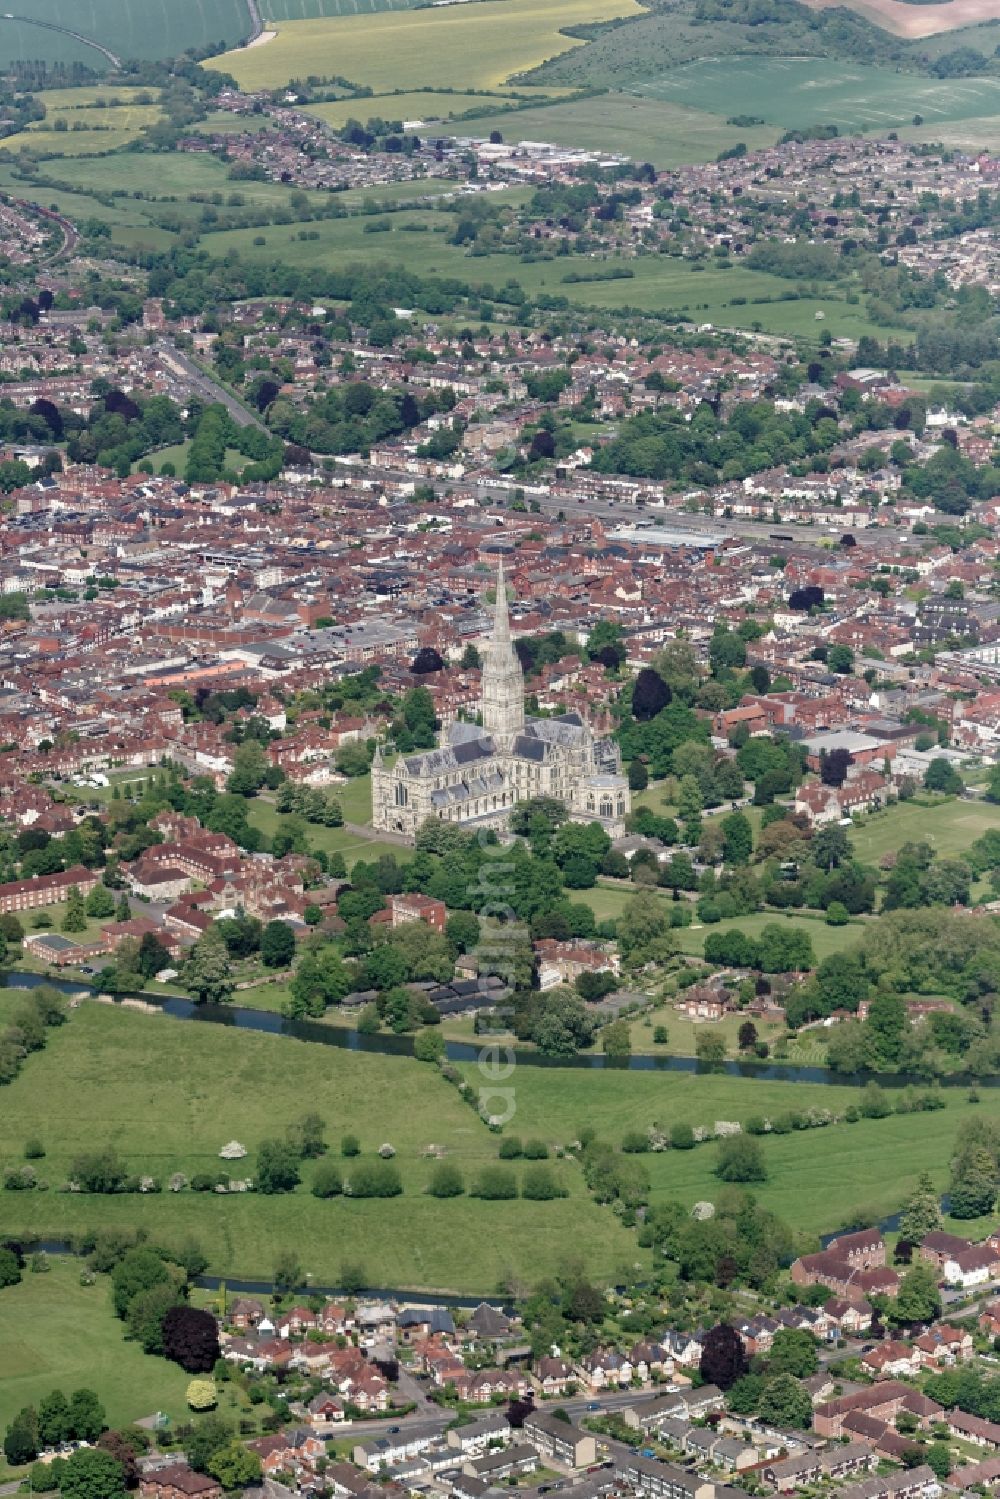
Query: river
x=241 y=1017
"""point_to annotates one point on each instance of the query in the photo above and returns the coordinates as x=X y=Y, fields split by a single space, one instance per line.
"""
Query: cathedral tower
x=503 y=679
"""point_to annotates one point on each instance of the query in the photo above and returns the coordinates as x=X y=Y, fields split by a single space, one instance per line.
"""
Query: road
x=203 y=385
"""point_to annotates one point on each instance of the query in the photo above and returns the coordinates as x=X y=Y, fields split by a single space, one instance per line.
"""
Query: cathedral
x=479 y=773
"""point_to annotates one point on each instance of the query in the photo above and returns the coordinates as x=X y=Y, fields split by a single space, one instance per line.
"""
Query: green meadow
x=57 y=1334
x=168 y=1095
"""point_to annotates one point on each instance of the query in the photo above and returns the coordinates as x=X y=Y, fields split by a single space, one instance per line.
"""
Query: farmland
x=79 y=122
x=470 y=46
x=130 y=28
x=797 y=93
x=425 y=104
x=102 y=1079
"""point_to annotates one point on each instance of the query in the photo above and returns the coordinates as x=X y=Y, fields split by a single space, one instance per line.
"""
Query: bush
x=375 y=1179
x=511 y=1148
x=446 y=1181
x=350 y=1145
x=34 y=1150
x=682 y=1137
x=540 y=1185
x=635 y=1142
x=495 y=1184
x=740 y=1159
x=327 y=1181
x=536 y=1150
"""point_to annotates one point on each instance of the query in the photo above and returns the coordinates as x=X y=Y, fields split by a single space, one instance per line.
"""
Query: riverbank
x=331 y=1033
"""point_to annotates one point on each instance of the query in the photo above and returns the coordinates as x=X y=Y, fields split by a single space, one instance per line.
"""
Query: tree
x=75 y=918
x=207 y=971
x=710 y=1048
x=723 y=1356
x=191 y=1338
x=92 y=1473
x=921 y=1213
x=327 y=1181
x=747 y=1036
x=638 y=775
x=277 y=945
x=86 y=1416
x=737 y=836
x=446 y=1181
x=937 y=1456
x=841 y=660
x=153 y=956
x=235 y=1467
x=277 y=1167
x=138 y=1270
x=740 y=1159
x=831 y=846
x=426 y=660
x=201 y=1394
x=941 y=776
x=793 y=1351
x=21 y=1439
x=10 y=1270
x=784 y=1403
x=463 y=931
x=53 y=1419
x=973 y=1187
x=250 y=767
x=918 y=1298
x=146 y=1312
x=650 y=695
x=307 y=1136
x=207 y=1438
x=121 y=1449
x=616 y=1039
x=833 y=767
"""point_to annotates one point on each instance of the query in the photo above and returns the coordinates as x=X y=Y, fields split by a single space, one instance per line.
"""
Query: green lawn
x=949 y=825
x=57 y=1334
x=169 y=1095
x=355 y=798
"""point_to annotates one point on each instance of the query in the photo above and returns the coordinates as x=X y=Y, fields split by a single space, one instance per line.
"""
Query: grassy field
x=130 y=28
x=817 y=1177
x=57 y=1334
x=949 y=826
x=477 y=45
x=798 y=92
x=609 y=901
x=103 y=1078
x=419 y=239
x=667 y=134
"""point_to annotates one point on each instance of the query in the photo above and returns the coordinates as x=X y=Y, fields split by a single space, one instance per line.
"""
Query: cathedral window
x=402 y=796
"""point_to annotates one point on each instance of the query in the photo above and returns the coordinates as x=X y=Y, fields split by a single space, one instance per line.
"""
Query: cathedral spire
x=503 y=680
x=501 y=619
